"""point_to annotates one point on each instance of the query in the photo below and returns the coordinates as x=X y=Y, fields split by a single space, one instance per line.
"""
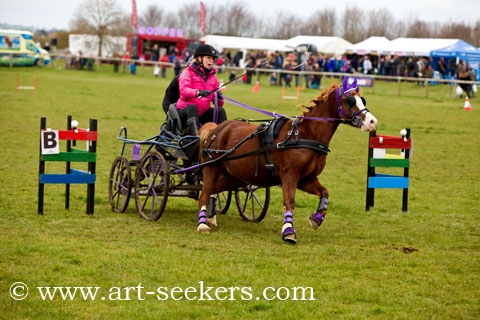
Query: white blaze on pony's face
x=369 y=121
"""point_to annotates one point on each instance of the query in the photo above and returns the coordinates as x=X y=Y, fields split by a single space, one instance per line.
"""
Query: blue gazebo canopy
x=461 y=50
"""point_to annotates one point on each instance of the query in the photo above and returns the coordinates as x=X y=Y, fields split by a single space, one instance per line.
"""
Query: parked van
x=20 y=44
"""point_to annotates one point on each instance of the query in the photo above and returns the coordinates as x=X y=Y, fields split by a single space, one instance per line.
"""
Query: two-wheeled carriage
x=153 y=170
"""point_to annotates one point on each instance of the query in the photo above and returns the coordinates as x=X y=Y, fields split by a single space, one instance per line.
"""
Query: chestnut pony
x=298 y=154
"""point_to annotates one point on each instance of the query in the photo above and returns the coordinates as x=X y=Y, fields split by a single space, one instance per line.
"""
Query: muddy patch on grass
x=406 y=250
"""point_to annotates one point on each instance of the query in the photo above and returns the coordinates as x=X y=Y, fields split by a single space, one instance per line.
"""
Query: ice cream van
x=20 y=44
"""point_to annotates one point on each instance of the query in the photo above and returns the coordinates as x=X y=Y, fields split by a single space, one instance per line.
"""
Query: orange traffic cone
x=256 y=87
x=467 y=105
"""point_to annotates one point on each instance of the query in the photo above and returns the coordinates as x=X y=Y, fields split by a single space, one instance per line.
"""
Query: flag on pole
x=134 y=14
x=202 y=17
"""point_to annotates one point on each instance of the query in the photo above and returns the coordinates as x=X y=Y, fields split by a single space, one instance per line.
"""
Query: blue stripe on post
x=388 y=181
x=67 y=178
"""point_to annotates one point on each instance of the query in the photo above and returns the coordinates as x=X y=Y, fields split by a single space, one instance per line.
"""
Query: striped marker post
x=49 y=151
x=377 y=157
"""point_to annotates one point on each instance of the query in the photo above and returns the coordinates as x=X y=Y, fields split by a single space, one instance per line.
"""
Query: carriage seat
x=174 y=123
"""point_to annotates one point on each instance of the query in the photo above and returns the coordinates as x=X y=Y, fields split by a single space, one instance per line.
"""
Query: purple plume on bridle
x=347 y=88
x=344 y=89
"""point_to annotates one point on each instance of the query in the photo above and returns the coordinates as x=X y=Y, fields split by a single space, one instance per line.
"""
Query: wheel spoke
x=253 y=206
x=246 y=201
x=257 y=200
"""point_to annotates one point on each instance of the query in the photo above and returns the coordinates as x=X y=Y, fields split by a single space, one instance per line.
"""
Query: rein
x=274 y=114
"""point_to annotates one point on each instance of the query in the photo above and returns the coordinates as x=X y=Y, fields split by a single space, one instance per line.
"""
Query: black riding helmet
x=205 y=50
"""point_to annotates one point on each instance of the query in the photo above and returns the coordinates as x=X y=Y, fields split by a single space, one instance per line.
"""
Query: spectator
x=115 y=62
x=462 y=74
x=367 y=65
x=177 y=66
x=156 y=70
x=442 y=68
x=165 y=59
x=68 y=60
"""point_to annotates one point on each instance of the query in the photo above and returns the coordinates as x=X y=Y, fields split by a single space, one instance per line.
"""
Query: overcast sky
x=50 y=14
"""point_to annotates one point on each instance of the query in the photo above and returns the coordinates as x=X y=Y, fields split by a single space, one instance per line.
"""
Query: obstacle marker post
x=296 y=97
x=377 y=157
x=50 y=151
x=19 y=87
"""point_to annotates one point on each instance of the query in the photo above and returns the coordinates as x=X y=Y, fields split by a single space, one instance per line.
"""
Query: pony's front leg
x=313 y=186
x=202 y=226
x=205 y=198
x=288 y=233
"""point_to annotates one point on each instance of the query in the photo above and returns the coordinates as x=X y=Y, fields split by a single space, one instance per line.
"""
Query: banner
x=202 y=17
x=134 y=14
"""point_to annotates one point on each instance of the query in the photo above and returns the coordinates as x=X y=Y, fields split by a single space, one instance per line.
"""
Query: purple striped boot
x=317 y=218
x=288 y=233
x=202 y=222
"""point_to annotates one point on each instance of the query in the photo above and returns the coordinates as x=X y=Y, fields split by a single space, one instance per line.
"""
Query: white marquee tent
x=328 y=45
x=224 y=42
x=375 y=45
x=416 y=46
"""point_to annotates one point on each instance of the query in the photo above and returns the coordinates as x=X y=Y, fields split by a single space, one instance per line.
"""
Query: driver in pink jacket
x=196 y=82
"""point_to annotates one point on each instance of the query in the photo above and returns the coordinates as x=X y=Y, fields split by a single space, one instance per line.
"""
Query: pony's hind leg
x=313 y=186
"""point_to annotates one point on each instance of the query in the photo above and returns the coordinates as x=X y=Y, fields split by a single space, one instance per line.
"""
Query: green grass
x=354 y=262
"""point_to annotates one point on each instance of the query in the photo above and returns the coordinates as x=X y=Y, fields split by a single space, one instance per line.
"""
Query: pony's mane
x=321 y=98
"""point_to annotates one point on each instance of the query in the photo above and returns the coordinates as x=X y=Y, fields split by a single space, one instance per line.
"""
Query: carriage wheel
x=151 y=186
x=224 y=199
x=252 y=202
x=119 y=184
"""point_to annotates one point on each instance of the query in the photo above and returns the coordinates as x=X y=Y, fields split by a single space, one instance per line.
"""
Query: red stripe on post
x=72 y=135
x=390 y=143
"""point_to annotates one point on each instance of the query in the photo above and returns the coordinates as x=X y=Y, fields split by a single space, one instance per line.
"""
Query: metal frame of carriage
x=157 y=164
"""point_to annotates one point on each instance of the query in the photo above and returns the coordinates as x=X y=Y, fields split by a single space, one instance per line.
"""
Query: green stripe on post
x=390 y=163
x=70 y=156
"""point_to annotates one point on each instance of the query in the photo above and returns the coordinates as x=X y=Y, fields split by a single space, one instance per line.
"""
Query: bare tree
x=353 y=27
x=188 y=16
x=323 y=22
x=100 y=18
x=457 y=30
x=283 y=26
x=419 y=29
x=153 y=16
x=236 y=20
x=380 y=23
x=476 y=34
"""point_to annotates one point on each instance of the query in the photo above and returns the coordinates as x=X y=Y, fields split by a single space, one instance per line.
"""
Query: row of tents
x=448 y=48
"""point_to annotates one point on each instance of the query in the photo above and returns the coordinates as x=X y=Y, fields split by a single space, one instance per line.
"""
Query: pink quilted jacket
x=192 y=79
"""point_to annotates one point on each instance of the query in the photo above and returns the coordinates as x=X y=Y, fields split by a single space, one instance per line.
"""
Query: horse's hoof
x=212 y=222
x=203 y=228
x=316 y=220
x=289 y=235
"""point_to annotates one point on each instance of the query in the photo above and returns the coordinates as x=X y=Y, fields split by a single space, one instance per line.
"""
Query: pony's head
x=352 y=106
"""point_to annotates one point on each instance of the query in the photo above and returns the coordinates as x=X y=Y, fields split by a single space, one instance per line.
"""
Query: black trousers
x=190 y=118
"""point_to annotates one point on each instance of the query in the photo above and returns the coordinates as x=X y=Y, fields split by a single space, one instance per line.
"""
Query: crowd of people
x=387 y=65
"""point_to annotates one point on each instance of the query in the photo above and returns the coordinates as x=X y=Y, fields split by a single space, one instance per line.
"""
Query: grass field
x=355 y=262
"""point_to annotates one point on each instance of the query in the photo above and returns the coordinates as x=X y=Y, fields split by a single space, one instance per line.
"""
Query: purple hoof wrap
x=318 y=217
x=202 y=217
x=316 y=220
x=289 y=235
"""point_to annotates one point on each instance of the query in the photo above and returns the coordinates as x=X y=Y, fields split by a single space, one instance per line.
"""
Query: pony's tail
x=205 y=131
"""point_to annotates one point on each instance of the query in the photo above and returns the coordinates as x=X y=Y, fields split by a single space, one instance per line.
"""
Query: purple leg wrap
x=202 y=217
x=288 y=233
x=288 y=217
x=318 y=217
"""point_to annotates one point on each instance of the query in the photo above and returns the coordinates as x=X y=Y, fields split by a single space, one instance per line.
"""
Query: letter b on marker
x=50 y=142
